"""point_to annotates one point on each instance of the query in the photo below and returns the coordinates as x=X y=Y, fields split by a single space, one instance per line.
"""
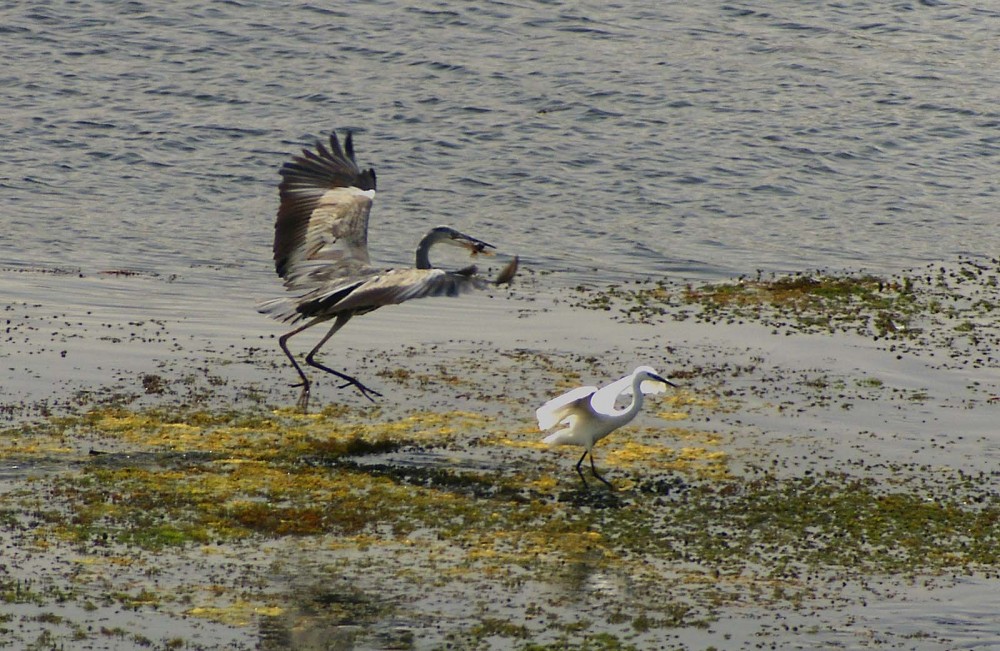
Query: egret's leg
x=579 y=471
x=593 y=469
x=337 y=325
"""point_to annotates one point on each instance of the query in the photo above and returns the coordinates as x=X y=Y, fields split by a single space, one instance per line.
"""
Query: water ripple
x=734 y=129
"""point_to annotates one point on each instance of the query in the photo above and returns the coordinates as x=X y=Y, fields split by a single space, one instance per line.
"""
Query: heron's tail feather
x=281 y=309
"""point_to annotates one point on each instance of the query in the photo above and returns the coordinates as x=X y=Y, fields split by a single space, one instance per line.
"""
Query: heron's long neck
x=423 y=252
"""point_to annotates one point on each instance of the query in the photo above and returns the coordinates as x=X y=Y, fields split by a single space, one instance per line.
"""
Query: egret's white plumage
x=589 y=413
x=321 y=252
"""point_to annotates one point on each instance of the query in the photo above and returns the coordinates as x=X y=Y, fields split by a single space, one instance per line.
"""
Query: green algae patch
x=686 y=534
x=813 y=302
x=951 y=306
x=170 y=477
x=697 y=462
x=237 y=613
x=220 y=500
x=280 y=434
x=840 y=522
x=293 y=475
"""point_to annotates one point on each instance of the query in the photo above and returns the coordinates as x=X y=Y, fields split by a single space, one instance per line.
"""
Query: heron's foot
x=365 y=391
x=303 y=402
x=305 y=384
x=348 y=380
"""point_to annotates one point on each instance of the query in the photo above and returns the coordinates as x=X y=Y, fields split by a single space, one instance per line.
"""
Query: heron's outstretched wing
x=321 y=232
x=554 y=411
x=389 y=288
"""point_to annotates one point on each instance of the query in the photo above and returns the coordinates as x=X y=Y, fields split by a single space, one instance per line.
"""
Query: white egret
x=321 y=252
x=589 y=414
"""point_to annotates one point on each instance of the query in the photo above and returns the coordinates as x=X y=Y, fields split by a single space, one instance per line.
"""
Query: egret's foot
x=593 y=469
x=606 y=482
x=586 y=486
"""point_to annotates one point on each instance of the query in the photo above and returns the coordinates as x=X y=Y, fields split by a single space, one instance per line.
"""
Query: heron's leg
x=593 y=469
x=342 y=319
x=580 y=472
x=283 y=342
x=303 y=402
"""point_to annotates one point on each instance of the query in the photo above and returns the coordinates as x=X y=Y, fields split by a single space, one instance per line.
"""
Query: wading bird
x=321 y=252
x=589 y=413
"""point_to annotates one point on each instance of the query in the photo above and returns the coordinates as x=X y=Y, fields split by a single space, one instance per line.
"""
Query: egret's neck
x=636 y=403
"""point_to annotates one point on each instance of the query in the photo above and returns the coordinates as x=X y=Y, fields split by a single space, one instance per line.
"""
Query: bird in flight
x=589 y=414
x=321 y=252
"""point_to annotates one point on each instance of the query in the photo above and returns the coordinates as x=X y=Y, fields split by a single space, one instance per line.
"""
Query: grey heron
x=589 y=414
x=321 y=252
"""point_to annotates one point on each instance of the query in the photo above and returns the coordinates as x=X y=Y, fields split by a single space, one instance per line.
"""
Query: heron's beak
x=475 y=246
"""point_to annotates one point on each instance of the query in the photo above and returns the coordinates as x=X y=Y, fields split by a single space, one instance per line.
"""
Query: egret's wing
x=321 y=232
x=648 y=387
x=392 y=287
x=570 y=434
x=554 y=411
x=604 y=400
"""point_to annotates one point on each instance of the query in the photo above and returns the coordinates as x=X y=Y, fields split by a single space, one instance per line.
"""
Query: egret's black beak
x=665 y=381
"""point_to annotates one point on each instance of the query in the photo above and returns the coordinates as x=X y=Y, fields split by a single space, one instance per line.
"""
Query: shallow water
x=592 y=139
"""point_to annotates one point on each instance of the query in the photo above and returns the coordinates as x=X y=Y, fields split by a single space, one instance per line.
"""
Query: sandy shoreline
x=801 y=488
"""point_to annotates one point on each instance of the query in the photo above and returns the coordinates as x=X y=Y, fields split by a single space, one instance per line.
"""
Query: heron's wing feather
x=325 y=300
x=554 y=411
x=282 y=309
x=399 y=285
x=321 y=232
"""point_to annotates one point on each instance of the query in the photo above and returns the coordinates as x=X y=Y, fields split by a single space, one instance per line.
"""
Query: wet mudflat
x=824 y=477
